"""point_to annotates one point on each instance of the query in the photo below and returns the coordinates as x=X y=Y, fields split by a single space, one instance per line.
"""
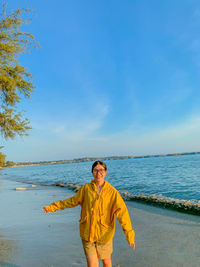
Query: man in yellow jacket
x=100 y=203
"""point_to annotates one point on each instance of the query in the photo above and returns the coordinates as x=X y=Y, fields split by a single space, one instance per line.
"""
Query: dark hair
x=99 y=162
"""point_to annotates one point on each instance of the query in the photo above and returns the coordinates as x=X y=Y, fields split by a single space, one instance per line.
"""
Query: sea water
x=176 y=177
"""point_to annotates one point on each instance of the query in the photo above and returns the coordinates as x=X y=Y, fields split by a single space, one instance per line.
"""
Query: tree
x=9 y=163
x=15 y=80
x=2 y=159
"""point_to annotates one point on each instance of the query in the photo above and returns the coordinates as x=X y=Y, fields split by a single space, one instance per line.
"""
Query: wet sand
x=28 y=237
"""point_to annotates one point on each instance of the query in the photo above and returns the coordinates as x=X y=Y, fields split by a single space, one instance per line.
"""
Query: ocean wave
x=187 y=206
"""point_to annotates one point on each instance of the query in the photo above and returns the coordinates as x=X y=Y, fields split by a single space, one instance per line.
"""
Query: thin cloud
x=78 y=128
x=176 y=138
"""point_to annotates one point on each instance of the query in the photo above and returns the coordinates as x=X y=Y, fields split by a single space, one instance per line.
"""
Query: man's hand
x=44 y=209
x=133 y=246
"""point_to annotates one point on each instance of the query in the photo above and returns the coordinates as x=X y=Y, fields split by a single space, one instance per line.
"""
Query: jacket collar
x=94 y=186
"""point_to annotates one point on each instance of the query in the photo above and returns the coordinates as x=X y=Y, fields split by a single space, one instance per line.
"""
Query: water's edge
x=186 y=206
x=192 y=207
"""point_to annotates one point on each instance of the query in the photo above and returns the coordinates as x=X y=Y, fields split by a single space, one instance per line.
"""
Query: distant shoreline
x=24 y=164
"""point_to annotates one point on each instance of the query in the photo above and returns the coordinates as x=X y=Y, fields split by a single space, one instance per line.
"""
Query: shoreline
x=28 y=237
x=186 y=206
x=157 y=200
x=179 y=205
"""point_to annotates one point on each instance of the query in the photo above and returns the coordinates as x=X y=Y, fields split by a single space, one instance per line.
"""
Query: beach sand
x=28 y=237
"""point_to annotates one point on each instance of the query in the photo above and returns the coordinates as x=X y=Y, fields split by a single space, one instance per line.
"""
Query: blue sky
x=112 y=78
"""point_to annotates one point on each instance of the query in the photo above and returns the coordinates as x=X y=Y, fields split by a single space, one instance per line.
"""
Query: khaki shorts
x=103 y=251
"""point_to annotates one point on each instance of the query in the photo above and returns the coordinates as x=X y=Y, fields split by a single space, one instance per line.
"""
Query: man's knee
x=92 y=261
x=107 y=262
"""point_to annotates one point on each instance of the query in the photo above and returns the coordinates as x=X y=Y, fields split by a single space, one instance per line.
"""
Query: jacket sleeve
x=121 y=212
x=67 y=203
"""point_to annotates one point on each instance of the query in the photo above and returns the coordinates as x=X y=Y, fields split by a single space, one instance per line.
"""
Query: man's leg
x=90 y=253
x=92 y=261
x=107 y=262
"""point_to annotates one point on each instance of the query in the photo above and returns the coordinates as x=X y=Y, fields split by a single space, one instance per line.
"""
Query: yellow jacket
x=98 y=210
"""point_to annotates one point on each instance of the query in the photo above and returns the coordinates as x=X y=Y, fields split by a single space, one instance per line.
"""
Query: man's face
x=99 y=173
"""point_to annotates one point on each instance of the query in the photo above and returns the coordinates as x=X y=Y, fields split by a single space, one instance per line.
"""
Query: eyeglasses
x=100 y=171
